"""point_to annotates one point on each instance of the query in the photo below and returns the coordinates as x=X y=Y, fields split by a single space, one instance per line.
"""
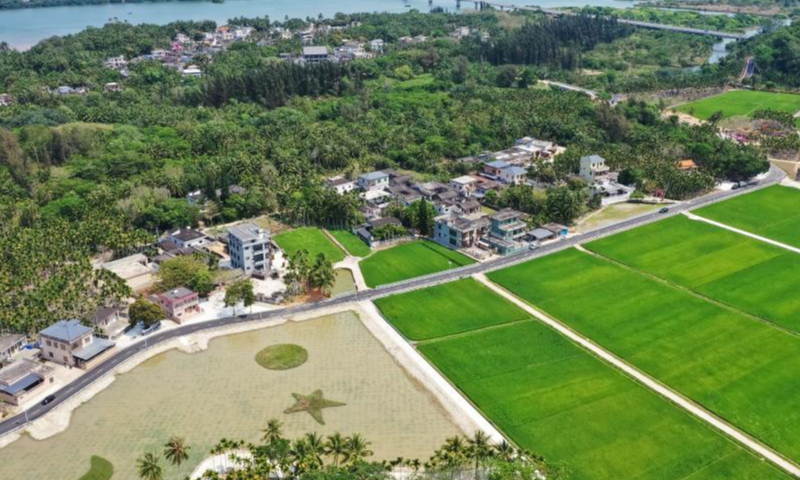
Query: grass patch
x=750 y=275
x=311 y=239
x=101 y=469
x=447 y=309
x=409 y=260
x=282 y=357
x=741 y=103
x=553 y=398
x=739 y=368
x=351 y=243
x=772 y=212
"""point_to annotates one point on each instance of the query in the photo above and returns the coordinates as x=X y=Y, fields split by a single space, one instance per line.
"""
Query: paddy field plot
x=447 y=309
x=750 y=275
x=311 y=239
x=741 y=103
x=409 y=260
x=555 y=399
x=351 y=243
x=742 y=369
x=772 y=212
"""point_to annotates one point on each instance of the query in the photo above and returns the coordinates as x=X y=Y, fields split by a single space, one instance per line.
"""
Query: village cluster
x=461 y=222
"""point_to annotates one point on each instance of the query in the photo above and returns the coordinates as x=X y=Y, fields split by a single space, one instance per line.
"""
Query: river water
x=26 y=27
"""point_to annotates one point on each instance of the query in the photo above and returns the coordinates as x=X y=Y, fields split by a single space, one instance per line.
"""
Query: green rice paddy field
x=772 y=212
x=738 y=367
x=741 y=103
x=750 y=275
x=409 y=260
x=440 y=311
x=311 y=239
x=351 y=243
x=552 y=397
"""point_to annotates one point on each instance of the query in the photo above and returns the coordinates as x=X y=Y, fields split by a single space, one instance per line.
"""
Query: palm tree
x=357 y=449
x=480 y=448
x=149 y=467
x=273 y=432
x=316 y=448
x=176 y=451
x=505 y=451
x=336 y=447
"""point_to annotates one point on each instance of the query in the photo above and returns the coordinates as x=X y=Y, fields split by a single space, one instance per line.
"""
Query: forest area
x=107 y=171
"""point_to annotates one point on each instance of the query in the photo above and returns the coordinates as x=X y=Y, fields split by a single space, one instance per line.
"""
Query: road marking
x=742 y=232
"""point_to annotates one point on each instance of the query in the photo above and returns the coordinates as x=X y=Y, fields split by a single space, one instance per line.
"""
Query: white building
x=513 y=175
x=376 y=45
x=192 y=71
x=373 y=181
x=465 y=184
x=188 y=238
x=249 y=247
x=341 y=185
x=116 y=62
x=593 y=168
x=316 y=54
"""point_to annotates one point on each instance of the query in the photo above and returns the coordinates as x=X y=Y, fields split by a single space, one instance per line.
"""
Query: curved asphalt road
x=108 y=365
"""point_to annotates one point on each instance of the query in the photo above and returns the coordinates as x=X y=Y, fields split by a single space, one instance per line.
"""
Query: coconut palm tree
x=316 y=448
x=336 y=448
x=357 y=449
x=480 y=449
x=149 y=467
x=505 y=451
x=176 y=451
x=273 y=432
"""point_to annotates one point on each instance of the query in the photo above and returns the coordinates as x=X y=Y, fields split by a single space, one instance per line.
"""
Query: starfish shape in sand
x=313 y=404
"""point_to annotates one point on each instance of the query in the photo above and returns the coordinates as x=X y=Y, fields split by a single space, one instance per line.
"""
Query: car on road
x=664 y=210
x=48 y=399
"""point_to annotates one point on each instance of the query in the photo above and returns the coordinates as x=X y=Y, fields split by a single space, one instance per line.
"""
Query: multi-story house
x=71 y=343
x=506 y=231
x=373 y=181
x=250 y=247
x=178 y=304
x=593 y=168
x=316 y=54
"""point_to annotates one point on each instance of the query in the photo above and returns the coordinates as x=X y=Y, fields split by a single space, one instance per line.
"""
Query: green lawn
x=750 y=275
x=741 y=369
x=555 y=399
x=311 y=239
x=741 y=103
x=409 y=260
x=447 y=309
x=351 y=243
x=772 y=212
x=101 y=469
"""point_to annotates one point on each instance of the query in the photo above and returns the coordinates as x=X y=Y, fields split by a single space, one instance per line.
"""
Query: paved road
x=108 y=365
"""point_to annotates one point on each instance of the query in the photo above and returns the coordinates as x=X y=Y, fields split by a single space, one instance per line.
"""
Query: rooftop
x=177 y=293
x=464 y=180
x=505 y=214
x=98 y=346
x=593 y=159
x=248 y=231
x=8 y=340
x=335 y=182
x=186 y=234
x=515 y=171
x=374 y=176
x=66 y=330
x=315 y=51
x=498 y=164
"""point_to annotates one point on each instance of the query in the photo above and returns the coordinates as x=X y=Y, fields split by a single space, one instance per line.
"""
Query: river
x=25 y=27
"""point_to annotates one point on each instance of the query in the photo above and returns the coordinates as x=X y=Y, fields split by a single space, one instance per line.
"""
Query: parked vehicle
x=48 y=399
x=664 y=210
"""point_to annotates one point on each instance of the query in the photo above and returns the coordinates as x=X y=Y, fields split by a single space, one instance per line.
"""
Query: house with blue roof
x=71 y=343
x=373 y=181
x=21 y=380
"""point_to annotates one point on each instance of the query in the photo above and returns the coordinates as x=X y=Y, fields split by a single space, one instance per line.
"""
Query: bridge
x=635 y=23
